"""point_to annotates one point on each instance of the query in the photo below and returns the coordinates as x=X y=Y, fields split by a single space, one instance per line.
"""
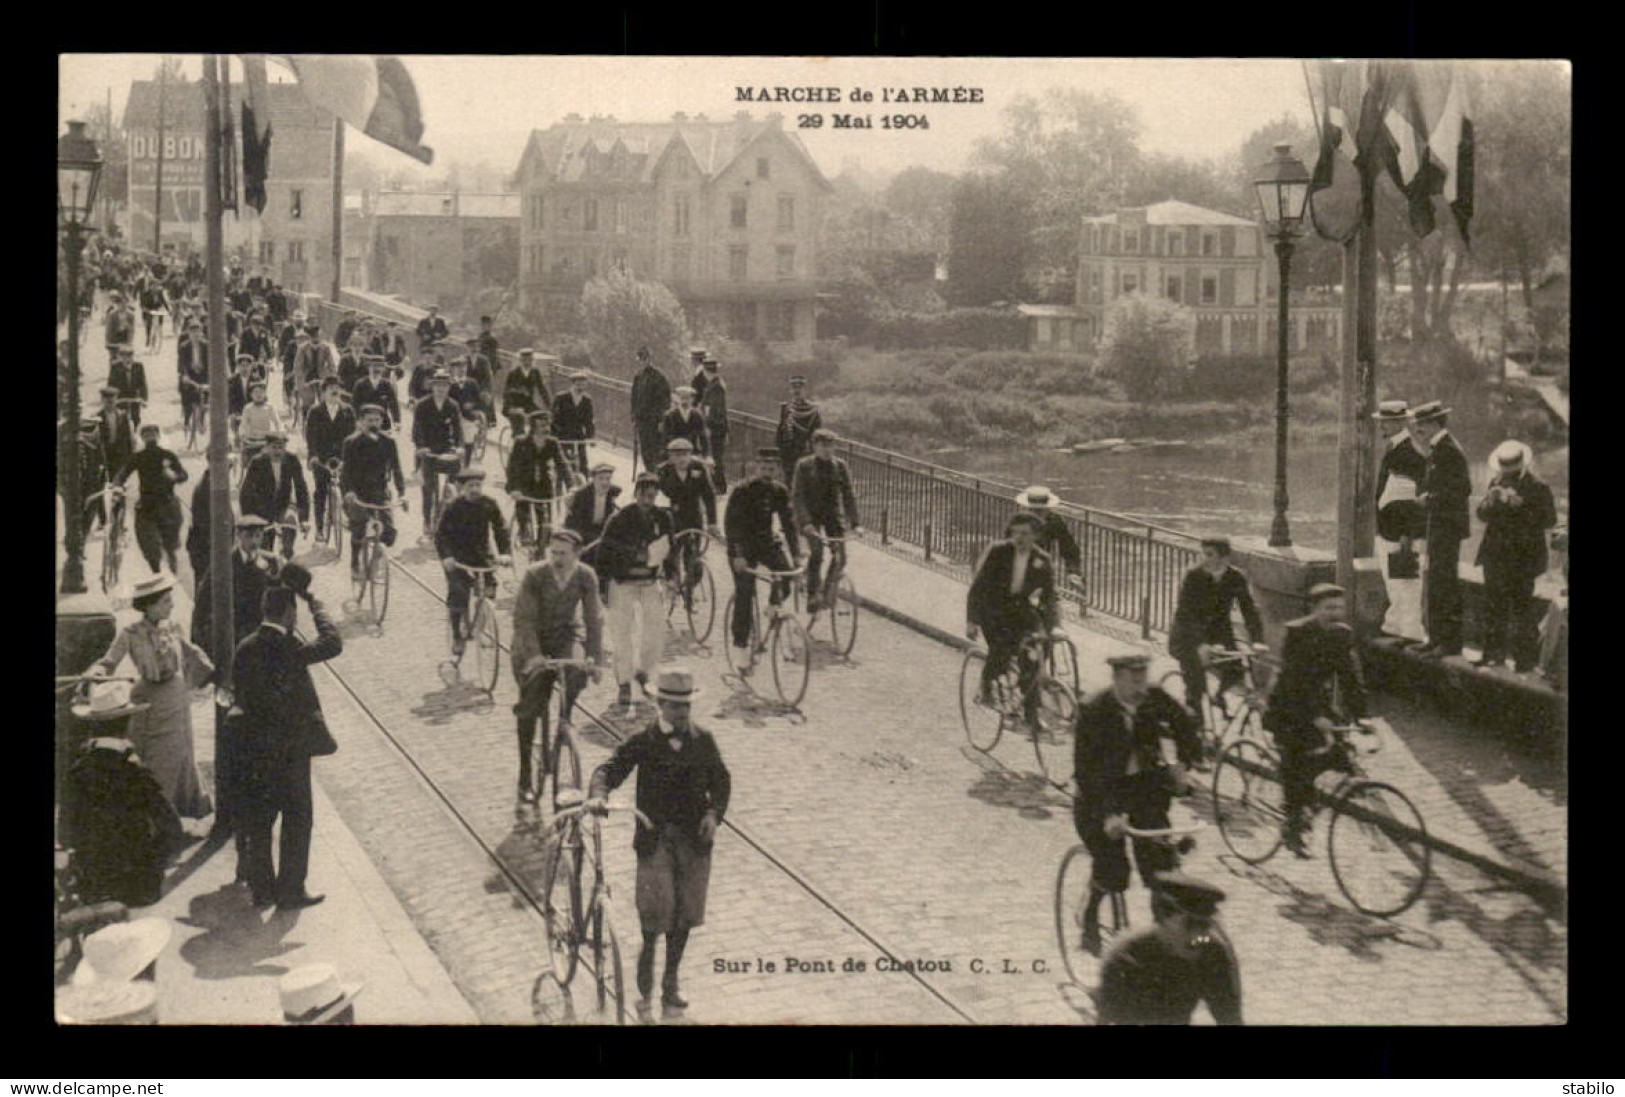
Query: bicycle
x=373 y=583
x=131 y=406
x=1072 y=898
x=694 y=590
x=572 y=920
x=529 y=549
x=1226 y=713
x=474 y=436
x=561 y=760
x=285 y=531
x=197 y=423
x=1377 y=839
x=480 y=631
x=113 y=548
x=335 y=507
x=1053 y=703
x=447 y=464
x=785 y=640
x=839 y=597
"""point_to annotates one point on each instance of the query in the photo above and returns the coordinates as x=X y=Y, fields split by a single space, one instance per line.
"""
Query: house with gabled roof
x=724 y=213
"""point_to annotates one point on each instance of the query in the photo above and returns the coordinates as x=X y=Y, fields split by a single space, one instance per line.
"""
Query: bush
x=1234 y=377
x=980 y=329
x=621 y=313
x=1051 y=374
x=1148 y=346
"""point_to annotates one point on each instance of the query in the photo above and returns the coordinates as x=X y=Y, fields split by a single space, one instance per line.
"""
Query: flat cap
x=1132 y=661
x=149 y=428
x=1322 y=591
x=1188 y=893
x=682 y=445
x=767 y=453
x=251 y=521
x=275 y=436
x=602 y=466
x=645 y=477
x=468 y=474
x=372 y=407
x=823 y=434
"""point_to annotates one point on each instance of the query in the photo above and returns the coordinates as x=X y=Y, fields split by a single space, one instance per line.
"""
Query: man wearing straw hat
x=1517 y=510
x=1445 y=490
x=683 y=790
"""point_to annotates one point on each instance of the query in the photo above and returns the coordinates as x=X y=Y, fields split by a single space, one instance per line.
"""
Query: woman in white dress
x=169 y=666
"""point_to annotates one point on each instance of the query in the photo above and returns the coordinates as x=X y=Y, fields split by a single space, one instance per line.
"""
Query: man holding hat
x=822 y=499
x=636 y=542
x=683 y=790
x=523 y=392
x=1207 y=595
x=1317 y=655
x=1122 y=779
x=273 y=485
x=1158 y=975
x=748 y=525
x=1054 y=537
x=682 y=421
x=1446 y=487
x=437 y=433
x=590 y=508
x=535 y=465
x=651 y=399
x=799 y=418
x=712 y=397
x=157 y=513
x=370 y=463
x=130 y=378
x=572 y=420
x=464 y=537
x=1517 y=510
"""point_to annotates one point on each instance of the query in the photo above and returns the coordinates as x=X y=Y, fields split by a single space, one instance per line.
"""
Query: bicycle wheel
x=792 y=660
x=701 y=605
x=377 y=583
x=191 y=431
x=504 y=443
x=1248 y=725
x=1248 y=801
x=843 y=615
x=1071 y=896
x=521 y=548
x=983 y=724
x=112 y=553
x=561 y=901
x=565 y=771
x=1064 y=655
x=486 y=638
x=335 y=521
x=611 y=976
x=1377 y=843
x=1053 y=737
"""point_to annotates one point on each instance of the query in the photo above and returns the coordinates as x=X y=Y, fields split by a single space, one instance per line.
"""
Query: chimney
x=572 y=117
x=742 y=116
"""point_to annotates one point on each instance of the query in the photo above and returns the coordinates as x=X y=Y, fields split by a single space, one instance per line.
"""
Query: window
x=589 y=215
x=539 y=213
x=742 y=321
x=1173 y=288
x=296 y=251
x=681 y=258
x=763 y=166
x=736 y=212
x=620 y=259
x=1210 y=285
x=680 y=220
x=620 y=217
x=786 y=261
x=787 y=213
x=1095 y=292
x=1131 y=240
x=267 y=252
x=1176 y=243
x=737 y=257
x=781 y=322
x=296 y=205
x=1210 y=243
x=566 y=264
x=1131 y=282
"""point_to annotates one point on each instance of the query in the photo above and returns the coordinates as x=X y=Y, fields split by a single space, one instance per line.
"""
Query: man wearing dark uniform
x=464 y=536
x=589 y=510
x=130 y=378
x=1011 y=577
x=572 y=420
x=687 y=485
x=696 y=360
x=651 y=399
x=370 y=463
x=432 y=328
x=1158 y=975
x=273 y=485
x=1316 y=655
x=1517 y=511
x=157 y=513
x=1202 y=619
x=748 y=526
x=1123 y=779
x=377 y=388
x=116 y=436
x=713 y=400
x=1445 y=491
x=798 y=420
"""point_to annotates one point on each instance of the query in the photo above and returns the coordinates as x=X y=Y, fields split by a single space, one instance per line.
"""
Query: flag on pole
x=256 y=130
x=1430 y=128
x=374 y=94
x=1353 y=95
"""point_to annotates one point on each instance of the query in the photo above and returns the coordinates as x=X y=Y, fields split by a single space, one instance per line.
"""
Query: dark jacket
x=466 y=529
x=272 y=685
x=527 y=471
x=1448 y=486
x=382 y=393
x=623 y=555
x=117 y=439
x=1056 y=539
x=693 y=499
x=524 y=390
x=651 y=398
x=990 y=602
x=129 y=378
x=579 y=515
x=370 y=463
x=325 y=433
x=261 y=494
x=1202 y=614
x=572 y=420
x=1515 y=535
x=118 y=823
x=1144 y=982
x=797 y=423
x=1313 y=657
x=432 y=331
x=748 y=520
x=712 y=398
x=675 y=787
x=821 y=493
x=1104 y=744
x=248 y=583
x=689 y=424
x=437 y=429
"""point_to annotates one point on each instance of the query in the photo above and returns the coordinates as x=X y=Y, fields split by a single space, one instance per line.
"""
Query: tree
x=987 y=242
x=920 y=199
x=1158 y=177
x=621 y=313
x=1148 y=346
x=491 y=256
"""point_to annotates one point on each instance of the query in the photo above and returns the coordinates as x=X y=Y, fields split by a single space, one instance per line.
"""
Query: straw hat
x=1510 y=456
x=1392 y=411
x=107 y=1004
x=108 y=701
x=155 y=584
x=122 y=951
x=676 y=684
x=1036 y=496
x=314 y=994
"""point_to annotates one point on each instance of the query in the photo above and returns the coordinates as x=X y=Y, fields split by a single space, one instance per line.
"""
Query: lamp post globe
x=1283 y=197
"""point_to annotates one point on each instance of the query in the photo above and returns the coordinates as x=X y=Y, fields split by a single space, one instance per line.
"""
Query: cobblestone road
x=864 y=828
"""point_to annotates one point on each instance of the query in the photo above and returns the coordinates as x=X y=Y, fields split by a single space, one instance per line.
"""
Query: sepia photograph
x=819 y=541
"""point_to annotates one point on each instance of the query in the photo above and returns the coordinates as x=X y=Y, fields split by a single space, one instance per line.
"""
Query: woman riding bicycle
x=1011 y=574
x=1122 y=778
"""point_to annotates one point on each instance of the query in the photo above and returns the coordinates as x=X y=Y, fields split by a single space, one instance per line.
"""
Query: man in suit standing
x=432 y=328
x=1516 y=512
x=273 y=485
x=651 y=399
x=1317 y=654
x=1445 y=491
x=713 y=400
x=283 y=725
x=1012 y=574
x=696 y=359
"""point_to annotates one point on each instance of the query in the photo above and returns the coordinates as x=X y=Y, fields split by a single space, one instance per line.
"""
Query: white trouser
x=638 y=645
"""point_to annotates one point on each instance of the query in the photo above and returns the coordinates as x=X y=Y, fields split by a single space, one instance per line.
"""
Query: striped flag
x=256 y=130
x=1353 y=96
x=1430 y=130
x=374 y=94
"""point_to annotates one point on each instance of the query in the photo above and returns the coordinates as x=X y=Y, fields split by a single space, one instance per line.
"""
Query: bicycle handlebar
x=460 y=566
x=519 y=498
x=569 y=813
x=391 y=505
x=1165 y=832
x=770 y=575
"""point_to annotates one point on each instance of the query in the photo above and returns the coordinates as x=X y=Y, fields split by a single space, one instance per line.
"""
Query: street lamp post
x=1283 y=194
x=78 y=167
